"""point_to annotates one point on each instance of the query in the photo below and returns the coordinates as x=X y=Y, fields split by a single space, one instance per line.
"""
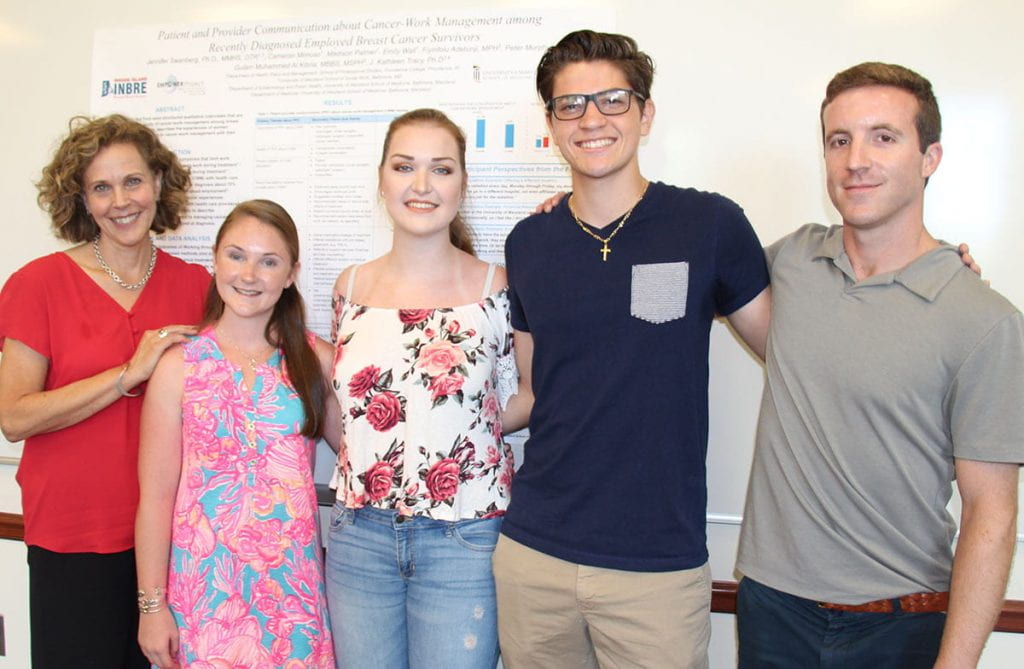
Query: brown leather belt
x=919 y=602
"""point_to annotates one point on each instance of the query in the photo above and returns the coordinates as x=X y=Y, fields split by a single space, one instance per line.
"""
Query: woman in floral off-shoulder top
x=423 y=365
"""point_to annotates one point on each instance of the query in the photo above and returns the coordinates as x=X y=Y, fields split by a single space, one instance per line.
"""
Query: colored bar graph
x=510 y=135
x=481 y=133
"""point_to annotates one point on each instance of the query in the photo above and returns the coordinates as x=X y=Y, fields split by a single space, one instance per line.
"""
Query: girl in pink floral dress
x=423 y=346
x=227 y=521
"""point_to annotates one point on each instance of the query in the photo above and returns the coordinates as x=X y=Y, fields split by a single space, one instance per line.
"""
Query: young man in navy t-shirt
x=603 y=555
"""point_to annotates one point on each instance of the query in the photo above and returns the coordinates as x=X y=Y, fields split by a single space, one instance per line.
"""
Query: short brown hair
x=61 y=189
x=586 y=45
x=928 y=121
x=458 y=231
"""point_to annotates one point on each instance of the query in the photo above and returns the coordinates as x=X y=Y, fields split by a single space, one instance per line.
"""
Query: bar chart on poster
x=290 y=102
x=296 y=111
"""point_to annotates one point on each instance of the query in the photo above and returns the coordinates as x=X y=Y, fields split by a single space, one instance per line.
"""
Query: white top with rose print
x=419 y=395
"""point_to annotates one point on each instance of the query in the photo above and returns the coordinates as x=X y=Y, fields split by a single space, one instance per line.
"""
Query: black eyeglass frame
x=593 y=97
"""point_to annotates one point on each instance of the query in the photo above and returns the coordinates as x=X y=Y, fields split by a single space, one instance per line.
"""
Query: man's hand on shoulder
x=968 y=259
x=549 y=204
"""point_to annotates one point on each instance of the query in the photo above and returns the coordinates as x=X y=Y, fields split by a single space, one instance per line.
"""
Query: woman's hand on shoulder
x=151 y=346
x=28 y=408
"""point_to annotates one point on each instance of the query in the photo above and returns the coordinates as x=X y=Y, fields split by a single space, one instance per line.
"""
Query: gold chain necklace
x=604 y=240
x=253 y=364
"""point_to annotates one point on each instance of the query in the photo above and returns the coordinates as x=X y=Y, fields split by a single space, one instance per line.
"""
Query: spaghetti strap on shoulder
x=487 y=282
x=351 y=283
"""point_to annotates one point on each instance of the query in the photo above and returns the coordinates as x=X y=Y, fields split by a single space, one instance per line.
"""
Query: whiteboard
x=737 y=90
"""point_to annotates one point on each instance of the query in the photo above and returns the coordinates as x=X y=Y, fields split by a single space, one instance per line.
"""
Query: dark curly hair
x=61 y=189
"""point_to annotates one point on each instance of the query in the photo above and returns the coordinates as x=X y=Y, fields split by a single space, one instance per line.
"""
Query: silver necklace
x=114 y=275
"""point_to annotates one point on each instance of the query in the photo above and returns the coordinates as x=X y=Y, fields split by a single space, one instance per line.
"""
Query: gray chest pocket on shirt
x=658 y=291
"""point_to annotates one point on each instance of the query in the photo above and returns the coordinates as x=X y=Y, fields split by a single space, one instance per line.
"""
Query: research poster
x=295 y=110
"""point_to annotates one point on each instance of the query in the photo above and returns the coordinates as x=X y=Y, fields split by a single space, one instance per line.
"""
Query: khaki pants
x=553 y=613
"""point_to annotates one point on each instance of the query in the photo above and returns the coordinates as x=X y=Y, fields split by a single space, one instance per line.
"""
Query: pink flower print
x=198 y=423
x=505 y=479
x=439 y=357
x=218 y=454
x=384 y=411
x=443 y=480
x=232 y=638
x=493 y=457
x=279 y=625
x=268 y=593
x=354 y=500
x=192 y=531
x=263 y=502
x=302 y=530
x=195 y=479
x=490 y=405
x=453 y=327
x=429 y=333
x=413 y=316
x=261 y=544
x=280 y=649
x=445 y=384
x=363 y=381
x=378 y=480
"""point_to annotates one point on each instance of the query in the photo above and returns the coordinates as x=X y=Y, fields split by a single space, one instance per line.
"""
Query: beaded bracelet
x=151 y=604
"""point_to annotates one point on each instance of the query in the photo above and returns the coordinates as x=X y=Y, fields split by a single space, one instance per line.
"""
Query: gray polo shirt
x=874 y=387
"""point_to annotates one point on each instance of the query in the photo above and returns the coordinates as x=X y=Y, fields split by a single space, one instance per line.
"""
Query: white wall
x=737 y=93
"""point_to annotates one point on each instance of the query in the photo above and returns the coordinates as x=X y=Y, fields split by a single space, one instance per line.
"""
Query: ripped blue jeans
x=411 y=593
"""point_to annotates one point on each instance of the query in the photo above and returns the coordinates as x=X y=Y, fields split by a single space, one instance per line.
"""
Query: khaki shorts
x=553 y=613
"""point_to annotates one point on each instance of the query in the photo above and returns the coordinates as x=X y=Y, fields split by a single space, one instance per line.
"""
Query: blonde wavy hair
x=61 y=192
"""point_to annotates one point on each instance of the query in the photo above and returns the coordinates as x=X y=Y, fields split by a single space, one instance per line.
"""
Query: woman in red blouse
x=81 y=331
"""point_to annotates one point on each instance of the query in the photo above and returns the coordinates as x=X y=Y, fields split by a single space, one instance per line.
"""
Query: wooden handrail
x=723 y=593
x=12 y=526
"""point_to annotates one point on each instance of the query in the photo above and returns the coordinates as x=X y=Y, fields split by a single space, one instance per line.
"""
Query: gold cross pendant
x=604 y=252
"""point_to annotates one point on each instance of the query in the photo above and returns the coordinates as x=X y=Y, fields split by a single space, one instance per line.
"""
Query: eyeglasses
x=611 y=102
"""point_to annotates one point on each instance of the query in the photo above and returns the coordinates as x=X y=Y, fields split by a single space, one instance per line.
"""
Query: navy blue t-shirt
x=614 y=469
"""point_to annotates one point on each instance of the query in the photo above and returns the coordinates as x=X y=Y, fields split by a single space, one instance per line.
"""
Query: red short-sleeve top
x=79 y=485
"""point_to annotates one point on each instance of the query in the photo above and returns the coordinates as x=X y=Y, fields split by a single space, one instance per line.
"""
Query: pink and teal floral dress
x=246 y=579
x=419 y=393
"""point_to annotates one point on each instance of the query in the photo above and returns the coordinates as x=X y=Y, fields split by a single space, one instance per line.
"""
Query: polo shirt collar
x=926 y=276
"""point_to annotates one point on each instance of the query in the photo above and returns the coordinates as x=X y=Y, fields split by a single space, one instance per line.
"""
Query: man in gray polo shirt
x=892 y=369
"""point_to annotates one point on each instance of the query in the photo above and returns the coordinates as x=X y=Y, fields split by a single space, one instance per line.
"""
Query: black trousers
x=83 y=610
